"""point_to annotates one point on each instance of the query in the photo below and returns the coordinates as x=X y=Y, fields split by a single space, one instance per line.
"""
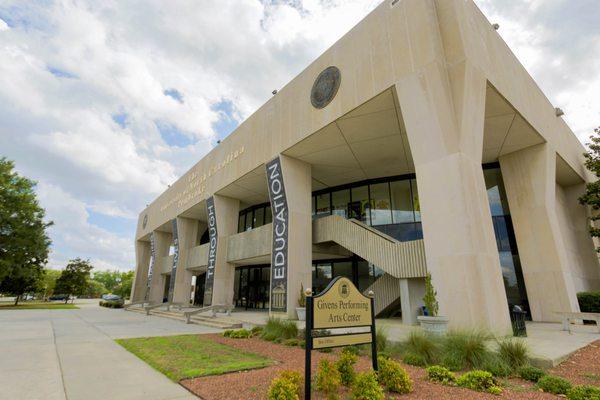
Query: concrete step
x=216 y=322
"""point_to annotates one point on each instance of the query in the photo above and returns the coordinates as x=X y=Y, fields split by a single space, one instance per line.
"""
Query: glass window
x=339 y=202
x=402 y=210
x=268 y=215
x=259 y=215
x=313 y=202
x=241 y=222
x=248 y=221
x=343 y=268
x=360 y=208
x=323 y=205
x=365 y=277
x=380 y=199
x=323 y=277
x=415 y=198
x=495 y=192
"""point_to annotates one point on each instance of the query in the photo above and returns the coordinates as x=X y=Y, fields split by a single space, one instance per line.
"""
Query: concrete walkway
x=71 y=355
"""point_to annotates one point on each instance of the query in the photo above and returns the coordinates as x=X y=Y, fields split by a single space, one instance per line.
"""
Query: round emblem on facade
x=145 y=222
x=325 y=87
x=344 y=290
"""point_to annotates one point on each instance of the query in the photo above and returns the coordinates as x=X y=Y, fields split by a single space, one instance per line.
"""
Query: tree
x=124 y=288
x=74 y=279
x=591 y=197
x=109 y=279
x=45 y=286
x=24 y=244
x=95 y=289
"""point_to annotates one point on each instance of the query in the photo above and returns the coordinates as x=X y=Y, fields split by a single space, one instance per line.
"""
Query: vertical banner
x=212 y=251
x=279 y=253
x=151 y=267
x=175 y=260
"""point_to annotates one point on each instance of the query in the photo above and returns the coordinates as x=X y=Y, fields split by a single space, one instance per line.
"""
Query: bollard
x=517 y=318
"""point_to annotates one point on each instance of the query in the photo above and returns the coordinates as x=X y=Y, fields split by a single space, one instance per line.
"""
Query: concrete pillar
x=443 y=109
x=162 y=243
x=411 y=299
x=290 y=193
x=530 y=181
x=226 y=214
x=142 y=262
x=187 y=229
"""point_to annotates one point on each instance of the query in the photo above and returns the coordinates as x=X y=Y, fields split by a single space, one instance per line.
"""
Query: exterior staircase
x=397 y=259
x=219 y=322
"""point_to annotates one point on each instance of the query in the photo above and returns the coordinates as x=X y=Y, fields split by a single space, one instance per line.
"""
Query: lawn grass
x=189 y=356
x=37 y=306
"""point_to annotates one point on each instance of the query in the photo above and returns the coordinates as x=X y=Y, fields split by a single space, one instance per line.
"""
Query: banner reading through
x=279 y=254
x=175 y=260
x=151 y=267
x=212 y=251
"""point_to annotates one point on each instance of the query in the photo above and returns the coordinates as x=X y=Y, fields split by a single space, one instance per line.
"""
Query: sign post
x=338 y=316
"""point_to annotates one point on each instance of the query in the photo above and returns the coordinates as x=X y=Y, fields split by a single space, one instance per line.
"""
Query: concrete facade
x=430 y=96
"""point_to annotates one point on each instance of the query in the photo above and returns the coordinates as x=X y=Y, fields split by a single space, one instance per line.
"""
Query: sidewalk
x=71 y=355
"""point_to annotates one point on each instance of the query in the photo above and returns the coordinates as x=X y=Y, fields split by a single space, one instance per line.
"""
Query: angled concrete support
x=142 y=261
x=530 y=182
x=226 y=214
x=187 y=229
x=290 y=192
x=411 y=299
x=162 y=242
x=443 y=109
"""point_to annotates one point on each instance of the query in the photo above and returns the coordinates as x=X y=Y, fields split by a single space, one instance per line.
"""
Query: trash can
x=517 y=318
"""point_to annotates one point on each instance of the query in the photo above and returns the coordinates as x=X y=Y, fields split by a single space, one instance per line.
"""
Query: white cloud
x=66 y=68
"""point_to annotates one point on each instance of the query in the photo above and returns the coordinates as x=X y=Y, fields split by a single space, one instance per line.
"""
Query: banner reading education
x=279 y=254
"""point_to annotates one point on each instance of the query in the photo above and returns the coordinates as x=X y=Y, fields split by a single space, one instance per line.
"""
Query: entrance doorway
x=251 y=286
x=199 y=289
x=166 y=288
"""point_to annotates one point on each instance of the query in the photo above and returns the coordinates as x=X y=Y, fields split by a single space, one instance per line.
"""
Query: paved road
x=71 y=355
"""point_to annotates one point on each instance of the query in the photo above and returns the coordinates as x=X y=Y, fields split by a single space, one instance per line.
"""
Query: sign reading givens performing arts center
x=279 y=254
x=212 y=250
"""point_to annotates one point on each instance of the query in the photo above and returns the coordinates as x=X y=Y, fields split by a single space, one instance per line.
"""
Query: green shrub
x=393 y=376
x=256 y=330
x=227 y=332
x=554 y=384
x=381 y=338
x=366 y=387
x=437 y=373
x=421 y=345
x=302 y=344
x=279 y=329
x=111 y=303
x=496 y=365
x=414 y=359
x=325 y=350
x=345 y=366
x=328 y=378
x=237 y=334
x=429 y=299
x=352 y=350
x=531 y=373
x=464 y=350
x=514 y=352
x=293 y=376
x=291 y=342
x=584 y=392
x=285 y=387
x=481 y=381
x=589 y=301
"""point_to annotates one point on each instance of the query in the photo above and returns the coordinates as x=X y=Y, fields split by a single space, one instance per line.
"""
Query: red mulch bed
x=251 y=385
x=583 y=367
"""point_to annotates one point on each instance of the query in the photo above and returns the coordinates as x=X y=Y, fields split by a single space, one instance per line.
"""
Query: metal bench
x=567 y=317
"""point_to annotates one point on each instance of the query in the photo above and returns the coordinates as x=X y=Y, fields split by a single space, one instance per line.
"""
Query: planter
x=301 y=311
x=434 y=325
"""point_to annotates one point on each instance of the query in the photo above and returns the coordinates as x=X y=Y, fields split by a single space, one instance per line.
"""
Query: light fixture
x=496 y=26
x=274 y=92
x=559 y=112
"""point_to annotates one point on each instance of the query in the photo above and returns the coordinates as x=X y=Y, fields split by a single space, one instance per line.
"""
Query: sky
x=106 y=103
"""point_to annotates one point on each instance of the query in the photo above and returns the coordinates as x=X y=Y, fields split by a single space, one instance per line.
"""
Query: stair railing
x=214 y=309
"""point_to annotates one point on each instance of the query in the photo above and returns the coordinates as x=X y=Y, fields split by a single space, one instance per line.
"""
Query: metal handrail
x=213 y=308
x=137 y=303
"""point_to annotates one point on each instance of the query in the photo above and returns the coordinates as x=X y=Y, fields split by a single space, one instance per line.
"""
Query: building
x=416 y=143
